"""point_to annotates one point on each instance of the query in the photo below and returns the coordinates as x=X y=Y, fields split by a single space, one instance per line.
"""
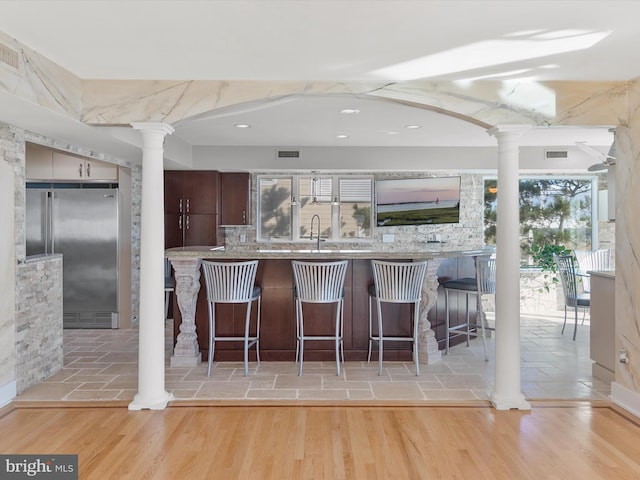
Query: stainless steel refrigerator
x=81 y=223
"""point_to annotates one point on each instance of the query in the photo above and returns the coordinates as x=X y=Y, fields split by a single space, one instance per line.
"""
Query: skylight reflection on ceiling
x=515 y=47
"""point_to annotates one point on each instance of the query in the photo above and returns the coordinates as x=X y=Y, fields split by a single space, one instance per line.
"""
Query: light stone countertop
x=603 y=273
x=298 y=253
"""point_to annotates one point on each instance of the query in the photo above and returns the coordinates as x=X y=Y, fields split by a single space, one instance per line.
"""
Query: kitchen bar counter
x=274 y=274
x=303 y=252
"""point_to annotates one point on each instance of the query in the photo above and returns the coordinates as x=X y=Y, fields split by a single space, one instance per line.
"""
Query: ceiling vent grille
x=288 y=153
x=556 y=154
x=8 y=56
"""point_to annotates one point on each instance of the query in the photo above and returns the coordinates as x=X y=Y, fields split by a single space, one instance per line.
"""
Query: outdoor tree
x=553 y=211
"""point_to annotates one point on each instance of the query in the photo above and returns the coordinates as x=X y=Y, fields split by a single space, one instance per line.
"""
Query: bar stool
x=482 y=283
x=168 y=287
x=233 y=282
x=396 y=282
x=319 y=282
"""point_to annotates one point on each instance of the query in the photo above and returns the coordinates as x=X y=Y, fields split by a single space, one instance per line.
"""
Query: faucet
x=311 y=236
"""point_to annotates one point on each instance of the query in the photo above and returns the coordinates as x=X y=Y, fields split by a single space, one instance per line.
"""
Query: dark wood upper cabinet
x=234 y=198
x=191 y=191
x=191 y=207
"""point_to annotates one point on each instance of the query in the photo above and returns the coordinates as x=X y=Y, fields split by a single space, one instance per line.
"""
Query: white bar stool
x=319 y=282
x=396 y=282
x=233 y=282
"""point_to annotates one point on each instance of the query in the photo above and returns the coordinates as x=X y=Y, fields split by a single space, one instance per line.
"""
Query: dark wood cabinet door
x=234 y=199
x=173 y=232
x=201 y=192
x=191 y=191
x=173 y=181
x=200 y=230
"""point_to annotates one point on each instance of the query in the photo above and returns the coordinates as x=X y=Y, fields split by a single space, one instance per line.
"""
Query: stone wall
x=10 y=169
x=465 y=235
x=38 y=334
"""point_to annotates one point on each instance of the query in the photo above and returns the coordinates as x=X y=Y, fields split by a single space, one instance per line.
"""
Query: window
x=286 y=206
x=552 y=211
x=274 y=206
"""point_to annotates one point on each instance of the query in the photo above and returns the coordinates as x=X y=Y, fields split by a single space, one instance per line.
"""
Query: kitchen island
x=278 y=314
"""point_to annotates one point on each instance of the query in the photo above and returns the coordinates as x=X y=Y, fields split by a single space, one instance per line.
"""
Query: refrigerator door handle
x=47 y=220
x=50 y=209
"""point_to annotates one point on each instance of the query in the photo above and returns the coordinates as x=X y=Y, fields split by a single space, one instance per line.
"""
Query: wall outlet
x=243 y=237
x=388 y=238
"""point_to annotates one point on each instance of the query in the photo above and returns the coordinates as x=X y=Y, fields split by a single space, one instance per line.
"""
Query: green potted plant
x=543 y=258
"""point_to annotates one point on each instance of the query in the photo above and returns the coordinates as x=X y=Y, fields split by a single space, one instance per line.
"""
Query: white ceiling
x=333 y=40
x=329 y=40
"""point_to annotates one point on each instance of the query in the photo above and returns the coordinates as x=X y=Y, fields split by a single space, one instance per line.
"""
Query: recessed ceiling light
x=413 y=127
x=342 y=135
x=349 y=111
x=242 y=125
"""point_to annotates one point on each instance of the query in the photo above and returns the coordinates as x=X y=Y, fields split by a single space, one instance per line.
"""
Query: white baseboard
x=7 y=393
x=625 y=398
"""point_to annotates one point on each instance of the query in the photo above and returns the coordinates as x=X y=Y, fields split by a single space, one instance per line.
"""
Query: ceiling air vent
x=288 y=153
x=556 y=154
x=8 y=56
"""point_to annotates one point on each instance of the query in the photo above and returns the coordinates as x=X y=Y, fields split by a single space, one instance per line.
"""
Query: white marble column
x=507 y=392
x=151 y=390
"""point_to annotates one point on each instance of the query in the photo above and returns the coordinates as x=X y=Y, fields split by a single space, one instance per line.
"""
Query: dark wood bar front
x=277 y=335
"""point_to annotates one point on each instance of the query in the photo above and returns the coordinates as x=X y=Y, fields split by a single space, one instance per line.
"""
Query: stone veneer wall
x=11 y=170
x=136 y=200
x=39 y=352
x=465 y=235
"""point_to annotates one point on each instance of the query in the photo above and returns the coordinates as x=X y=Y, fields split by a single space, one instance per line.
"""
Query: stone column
x=428 y=351
x=507 y=393
x=187 y=274
x=151 y=390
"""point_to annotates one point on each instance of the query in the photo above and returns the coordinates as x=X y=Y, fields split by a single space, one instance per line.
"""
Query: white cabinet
x=39 y=162
x=46 y=164
x=603 y=325
x=71 y=167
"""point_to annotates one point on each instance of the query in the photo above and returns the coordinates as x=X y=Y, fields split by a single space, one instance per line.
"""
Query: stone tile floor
x=102 y=365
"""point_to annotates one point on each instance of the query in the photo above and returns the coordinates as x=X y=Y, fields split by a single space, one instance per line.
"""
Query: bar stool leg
x=446 y=303
x=416 y=319
x=370 y=331
x=380 y=337
x=480 y=314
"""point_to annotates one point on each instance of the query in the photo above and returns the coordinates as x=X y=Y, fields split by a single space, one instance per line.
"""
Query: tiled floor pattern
x=102 y=365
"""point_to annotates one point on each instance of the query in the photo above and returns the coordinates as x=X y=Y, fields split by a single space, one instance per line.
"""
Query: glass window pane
x=355 y=207
x=315 y=199
x=275 y=208
x=554 y=211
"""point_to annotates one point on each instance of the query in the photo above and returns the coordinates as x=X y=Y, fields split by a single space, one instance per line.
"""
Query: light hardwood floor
x=552 y=441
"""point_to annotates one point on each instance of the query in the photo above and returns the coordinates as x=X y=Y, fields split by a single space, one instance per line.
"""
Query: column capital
x=158 y=127
x=508 y=129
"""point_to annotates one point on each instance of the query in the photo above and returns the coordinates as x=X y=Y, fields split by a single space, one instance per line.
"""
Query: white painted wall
x=368 y=159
